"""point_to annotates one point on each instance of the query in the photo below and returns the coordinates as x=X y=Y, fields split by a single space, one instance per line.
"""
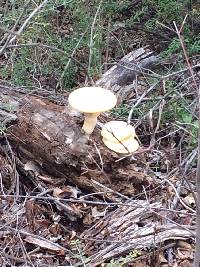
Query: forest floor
x=146 y=217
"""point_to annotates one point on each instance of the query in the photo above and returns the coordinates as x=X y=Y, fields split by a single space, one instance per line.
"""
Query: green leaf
x=187 y=118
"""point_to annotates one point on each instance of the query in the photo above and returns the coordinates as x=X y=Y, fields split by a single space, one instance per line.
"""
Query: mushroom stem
x=90 y=122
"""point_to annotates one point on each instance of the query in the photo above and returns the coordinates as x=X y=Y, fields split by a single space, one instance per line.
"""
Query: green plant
x=78 y=250
x=61 y=25
x=2 y=129
x=112 y=8
x=168 y=11
x=173 y=47
x=123 y=260
x=137 y=16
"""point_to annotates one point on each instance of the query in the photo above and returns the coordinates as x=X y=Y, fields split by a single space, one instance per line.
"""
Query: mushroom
x=119 y=137
x=91 y=101
x=124 y=147
x=116 y=131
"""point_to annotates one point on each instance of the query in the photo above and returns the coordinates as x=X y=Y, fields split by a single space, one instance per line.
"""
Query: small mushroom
x=91 y=101
x=124 y=147
x=116 y=131
x=119 y=137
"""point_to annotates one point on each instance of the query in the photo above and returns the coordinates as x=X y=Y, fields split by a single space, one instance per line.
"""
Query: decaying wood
x=6 y=171
x=120 y=78
x=50 y=135
x=130 y=228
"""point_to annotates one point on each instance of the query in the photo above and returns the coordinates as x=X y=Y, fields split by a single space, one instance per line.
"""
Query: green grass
x=58 y=28
x=62 y=23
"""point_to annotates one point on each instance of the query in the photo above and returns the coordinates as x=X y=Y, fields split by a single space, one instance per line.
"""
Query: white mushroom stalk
x=120 y=137
x=90 y=122
x=91 y=101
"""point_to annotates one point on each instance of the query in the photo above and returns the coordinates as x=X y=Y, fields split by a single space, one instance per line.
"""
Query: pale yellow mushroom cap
x=116 y=131
x=128 y=146
x=92 y=99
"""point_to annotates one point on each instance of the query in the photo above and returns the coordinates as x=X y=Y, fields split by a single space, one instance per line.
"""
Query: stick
x=8 y=31
x=26 y=22
x=11 y=39
x=91 y=36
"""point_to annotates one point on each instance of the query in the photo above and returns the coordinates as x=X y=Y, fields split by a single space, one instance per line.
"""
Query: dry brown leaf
x=32 y=166
x=162 y=259
x=67 y=191
x=184 y=245
x=88 y=219
x=185 y=263
x=184 y=254
x=45 y=244
x=73 y=235
x=47 y=179
x=36 y=169
x=97 y=214
x=54 y=229
x=57 y=191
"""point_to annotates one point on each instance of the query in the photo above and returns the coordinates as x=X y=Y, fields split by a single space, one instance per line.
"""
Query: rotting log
x=42 y=129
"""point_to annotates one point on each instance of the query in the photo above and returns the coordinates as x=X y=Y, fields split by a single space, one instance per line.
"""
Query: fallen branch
x=129 y=229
